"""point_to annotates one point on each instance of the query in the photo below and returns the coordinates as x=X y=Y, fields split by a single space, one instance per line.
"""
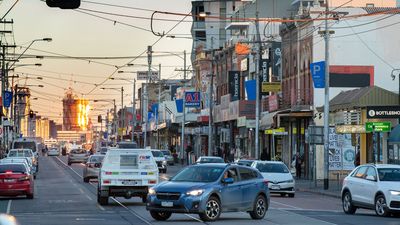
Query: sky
x=76 y=33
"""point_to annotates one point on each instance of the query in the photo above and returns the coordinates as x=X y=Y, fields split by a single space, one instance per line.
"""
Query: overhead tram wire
x=9 y=10
x=165 y=54
x=158 y=40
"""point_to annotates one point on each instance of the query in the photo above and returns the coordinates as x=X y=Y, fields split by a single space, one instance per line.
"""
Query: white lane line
x=101 y=207
x=9 y=207
x=293 y=207
x=80 y=189
x=197 y=219
x=87 y=196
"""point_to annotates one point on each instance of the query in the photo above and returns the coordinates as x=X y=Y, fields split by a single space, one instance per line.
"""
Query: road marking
x=87 y=196
x=89 y=219
x=197 y=219
x=80 y=189
x=101 y=207
x=9 y=207
x=293 y=207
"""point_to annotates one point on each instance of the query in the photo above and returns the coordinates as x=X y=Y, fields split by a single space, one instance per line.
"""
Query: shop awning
x=267 y=120
x=394 y=137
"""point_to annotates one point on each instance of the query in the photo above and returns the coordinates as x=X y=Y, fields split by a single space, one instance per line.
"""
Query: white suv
x=372 y=187
x=126 y=173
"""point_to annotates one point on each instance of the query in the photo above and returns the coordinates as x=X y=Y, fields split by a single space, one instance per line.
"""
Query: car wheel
x=29 y=196
x=380 y=206
x=144 y=199
x=347 y=204
x=102 y=200
x=212 y=211
x=260 y=208
x=86 y=179
x=161 y=216
x=283 y=194
x=291 y=195
x=69 y=163
x=165 y=170
x=34 y=176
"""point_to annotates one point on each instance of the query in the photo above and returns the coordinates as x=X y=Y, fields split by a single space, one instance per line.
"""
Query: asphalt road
x=62 y=198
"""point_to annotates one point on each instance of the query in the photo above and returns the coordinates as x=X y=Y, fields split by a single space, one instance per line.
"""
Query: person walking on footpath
x=298 y=161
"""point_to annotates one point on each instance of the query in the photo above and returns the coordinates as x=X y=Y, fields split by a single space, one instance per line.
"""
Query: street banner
x=234 y=85
x=8 y=96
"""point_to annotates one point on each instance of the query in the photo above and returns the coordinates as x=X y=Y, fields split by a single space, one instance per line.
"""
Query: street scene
x=199 y=111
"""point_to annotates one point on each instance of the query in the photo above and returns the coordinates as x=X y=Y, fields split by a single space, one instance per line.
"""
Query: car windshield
x=20 y=153
x=166 y=152
x=389 y=174
x=25 y=144
x=103 y=150
x=211 y=160
x=96 y=159
x=15 y=168
x=272 y=168
x=198 y=174
x=157 y=154
x=127 y=145
x=78 y=151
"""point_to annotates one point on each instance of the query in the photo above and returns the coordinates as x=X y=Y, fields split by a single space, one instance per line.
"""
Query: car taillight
x=266 y=182
x=108 y=173
x=152 y=181
x=25 y=178
x=8 y=172
x=90 y=165
x=106 y=182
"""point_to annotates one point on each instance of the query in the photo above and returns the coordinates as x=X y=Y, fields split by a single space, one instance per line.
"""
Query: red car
x=15 y=180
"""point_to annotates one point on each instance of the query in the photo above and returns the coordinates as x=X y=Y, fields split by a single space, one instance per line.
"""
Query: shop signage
x=243 y=64
x=383 y=112
x=250 y=123
x=192 y=99
x=378 y=126
x=234 y=85
x=273 y=103
x=276 y=59
x=350 y=129
x=225 y=99
x=271 y=87
x=241 y=121
x=278 y=131
x=265 y=71
x=8 y=96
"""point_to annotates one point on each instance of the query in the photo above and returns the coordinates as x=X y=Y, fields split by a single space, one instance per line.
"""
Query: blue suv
x=208 y=190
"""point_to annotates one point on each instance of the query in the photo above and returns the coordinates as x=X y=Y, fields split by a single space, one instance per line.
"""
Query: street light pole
x=184 y=114
x=133 y=110
x=145 y=97
x=122 y=113
x=258 y=57
x=210 y=117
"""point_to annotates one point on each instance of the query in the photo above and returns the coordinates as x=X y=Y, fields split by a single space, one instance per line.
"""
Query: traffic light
x=99 y=119
x=64 y=4
x=31 y=114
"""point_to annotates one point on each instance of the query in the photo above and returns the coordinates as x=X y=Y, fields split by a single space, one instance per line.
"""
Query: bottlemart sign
x=378 y=126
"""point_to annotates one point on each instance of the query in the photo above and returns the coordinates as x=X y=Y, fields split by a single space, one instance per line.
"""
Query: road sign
x=142 y=75
x=318 y=74
x=192 y=99
x=271 y=87
x=378 y=126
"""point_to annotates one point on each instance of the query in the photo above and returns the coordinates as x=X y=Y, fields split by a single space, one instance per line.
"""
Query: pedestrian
x=188 y=150
x=298 y=161
x=264 y=154
x=357 y=159
x=231 y=156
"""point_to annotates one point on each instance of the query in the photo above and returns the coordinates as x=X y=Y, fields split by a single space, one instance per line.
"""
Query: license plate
x=129 y=182
x=9 y=180
x=275 y=187
x=167 y=204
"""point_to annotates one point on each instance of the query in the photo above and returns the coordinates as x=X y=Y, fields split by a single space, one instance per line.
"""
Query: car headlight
x=152 y=191
x=195 y=192
x=164 y=162
x=288 y=181
x=395 y=192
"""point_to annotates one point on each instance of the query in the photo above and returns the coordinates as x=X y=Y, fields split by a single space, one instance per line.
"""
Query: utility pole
x=184 y=114
x=145 y=97
x=326 y=106
x=133 y=110
x=122 y=113
x=115 y=121
x=258 y=57
x=210 y=117
x=158 y=108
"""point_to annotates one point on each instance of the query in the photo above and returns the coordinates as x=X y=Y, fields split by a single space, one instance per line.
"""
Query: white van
x=126 y=173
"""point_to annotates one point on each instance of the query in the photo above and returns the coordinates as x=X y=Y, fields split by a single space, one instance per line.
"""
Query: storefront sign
x=247 y=109
x=383 y=112
x=273 y=103
x=225 y=99
x=378 y=126
x=234 y=85
x=243 y=64
x=278 y=131
x=265 y=71
x=241 y=121
x=276 y=59
x=233 y=110
x=192 y=99
x=350 y=129
x=271 y=87
x=251 y=123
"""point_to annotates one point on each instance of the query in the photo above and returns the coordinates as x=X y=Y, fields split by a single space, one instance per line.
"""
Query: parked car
x=160 y=160
x=18 y=153
x=53 y=151
x=168 y=157
x=126 y=173
x=208 y=190
x=16 y=180
x=209 y=159
x=372 y=187
x=245 y=162
x=24 y=160
x=103 y=150
x=26 y=143
x=92 y=167
x=77 y=156
x=127 y=145
x=280 y=179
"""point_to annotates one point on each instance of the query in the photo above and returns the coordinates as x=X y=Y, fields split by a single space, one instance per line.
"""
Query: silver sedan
x=92 y=167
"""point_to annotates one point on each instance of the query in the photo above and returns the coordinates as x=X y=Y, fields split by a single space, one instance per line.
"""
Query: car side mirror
x=371 y=178
x=228 y=180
